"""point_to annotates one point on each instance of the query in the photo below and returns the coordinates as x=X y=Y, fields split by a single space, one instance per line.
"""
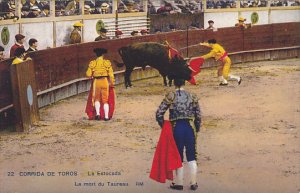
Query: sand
x=249 y=139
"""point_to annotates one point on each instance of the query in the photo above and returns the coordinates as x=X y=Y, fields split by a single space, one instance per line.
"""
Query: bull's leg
x=165 y=80
x=127 y=77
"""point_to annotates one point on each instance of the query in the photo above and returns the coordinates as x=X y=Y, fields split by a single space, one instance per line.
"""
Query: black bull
x=155 y=55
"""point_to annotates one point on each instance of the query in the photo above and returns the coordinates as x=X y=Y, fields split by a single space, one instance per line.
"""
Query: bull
x=155 y=55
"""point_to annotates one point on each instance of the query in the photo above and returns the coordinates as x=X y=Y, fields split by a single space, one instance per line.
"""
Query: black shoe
x=194 y=186
x=105 y=119
x=97 y=117
x=223 y=84
x=176 y=187
x=240 y=81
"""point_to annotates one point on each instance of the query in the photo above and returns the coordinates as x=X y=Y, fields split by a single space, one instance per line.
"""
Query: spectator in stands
x=105 y=8
x=130 y=7
x=118 y=34
x=144 y=32
x=172 y=27
x=33 y=43
x=19 y=44
x=102 y=35
x=25 y=11
x=87 y=10
x=34 y=12
x=211 y=25
x=75 y=37
x=1 y=53
x=242 y=23
x=134 y=33
x=72 y=8
x=20 y=55
x=210 y=4
x=45 y=11
x=7 y=10
x=151 y=8
x=59 y=9
x=32 y=3
x=167 y=8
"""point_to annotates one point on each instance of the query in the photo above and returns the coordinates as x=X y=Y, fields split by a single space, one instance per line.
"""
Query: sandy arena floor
x=249 y=140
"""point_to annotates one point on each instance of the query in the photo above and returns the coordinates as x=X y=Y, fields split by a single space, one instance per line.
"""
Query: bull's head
x=180 y=68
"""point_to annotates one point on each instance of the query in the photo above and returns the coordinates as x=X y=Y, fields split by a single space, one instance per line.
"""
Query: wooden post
x=24 y=95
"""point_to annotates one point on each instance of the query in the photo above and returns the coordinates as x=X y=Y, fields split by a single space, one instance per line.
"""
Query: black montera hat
x=100 y=51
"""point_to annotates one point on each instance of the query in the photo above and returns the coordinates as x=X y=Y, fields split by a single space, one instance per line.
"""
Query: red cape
x=195 y=66
x=90 y=109
x=166 y=157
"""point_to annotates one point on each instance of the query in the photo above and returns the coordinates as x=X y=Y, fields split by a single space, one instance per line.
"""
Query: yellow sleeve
x=211 y=54
x=110 y=72
x=205 y=44
x=90 y=70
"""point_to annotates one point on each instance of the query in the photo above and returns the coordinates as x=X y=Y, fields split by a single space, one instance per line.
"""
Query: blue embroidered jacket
x=181 y=105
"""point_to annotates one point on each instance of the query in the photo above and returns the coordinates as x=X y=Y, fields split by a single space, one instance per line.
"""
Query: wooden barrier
x=60 y=72
x=24 y=95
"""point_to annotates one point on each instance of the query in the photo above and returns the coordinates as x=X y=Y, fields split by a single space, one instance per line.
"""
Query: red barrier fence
x=59 y=65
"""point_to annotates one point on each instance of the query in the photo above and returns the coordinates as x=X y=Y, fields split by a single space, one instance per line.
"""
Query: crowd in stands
x=217 y=4
x=254 y=3
x=174 y=6
x=285 y=3
x=7 y=9
x=33 y=9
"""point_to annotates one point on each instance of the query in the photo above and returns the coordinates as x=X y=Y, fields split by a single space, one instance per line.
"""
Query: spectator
x=1 y=53
x=25 y=11
x=75 y=36
x=8 y=10
x=172 y=27
x=134 y=33
x=151 y=9
x=144 y=32
x=32 y=3
x=20 y=54
x=59 y=9
x=19 y=44
x=130 y=7
x=72 y=8
x=211 y=25
x=102 y=35
x=241 y=23
x=33 y=43
x=87 y=10
x=104 y=9
x=118 y=34
x=167 y=8
x=34 y=12
x=45 y=11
